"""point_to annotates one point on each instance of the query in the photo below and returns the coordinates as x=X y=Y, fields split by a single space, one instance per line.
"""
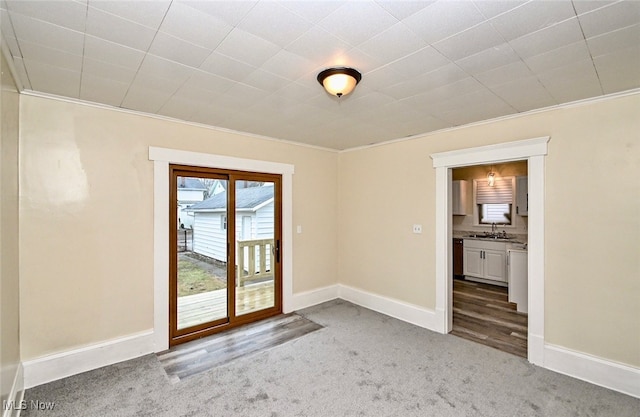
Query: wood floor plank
x=482 y=313
x=191 y=358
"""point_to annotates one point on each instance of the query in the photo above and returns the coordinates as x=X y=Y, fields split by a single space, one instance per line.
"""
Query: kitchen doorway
x=228 y=272
x=534 y=151
x=489 y=227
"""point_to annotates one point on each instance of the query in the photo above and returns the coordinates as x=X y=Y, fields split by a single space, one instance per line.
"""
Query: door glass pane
x=202 y=251
x=255 y=246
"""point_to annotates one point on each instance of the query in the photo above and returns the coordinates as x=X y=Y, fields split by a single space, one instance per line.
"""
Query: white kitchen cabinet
x=518 y=280
x=485 y=260
x=459 y=198
x=522 y=196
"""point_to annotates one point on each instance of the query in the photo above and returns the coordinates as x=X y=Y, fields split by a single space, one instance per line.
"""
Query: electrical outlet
x=417 y=228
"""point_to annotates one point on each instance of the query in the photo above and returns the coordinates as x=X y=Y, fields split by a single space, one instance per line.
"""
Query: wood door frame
x=232 y=177
x=161 y=158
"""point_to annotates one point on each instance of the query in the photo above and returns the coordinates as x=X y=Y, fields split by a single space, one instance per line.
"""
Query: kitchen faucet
x=494 y=227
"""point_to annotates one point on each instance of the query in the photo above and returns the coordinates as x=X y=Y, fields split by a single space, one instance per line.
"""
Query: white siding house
x=190 y=191
x=254 y=220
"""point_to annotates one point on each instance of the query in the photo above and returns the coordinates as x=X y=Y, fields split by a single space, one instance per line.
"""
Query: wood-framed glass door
x=225 y=239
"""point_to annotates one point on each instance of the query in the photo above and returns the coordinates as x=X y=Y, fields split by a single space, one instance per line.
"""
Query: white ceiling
x=251 y=66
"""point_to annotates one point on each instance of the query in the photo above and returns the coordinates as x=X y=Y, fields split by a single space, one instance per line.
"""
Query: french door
x=225 y=239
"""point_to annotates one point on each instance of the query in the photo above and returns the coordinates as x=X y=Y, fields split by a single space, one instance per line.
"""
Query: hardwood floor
x=482 y=313
x=200 y=355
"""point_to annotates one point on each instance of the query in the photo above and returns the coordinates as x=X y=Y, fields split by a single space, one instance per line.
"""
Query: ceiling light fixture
x=491 y=178
x=339 y=81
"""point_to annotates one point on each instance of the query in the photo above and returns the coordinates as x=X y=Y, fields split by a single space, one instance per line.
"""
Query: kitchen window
x=493 y=204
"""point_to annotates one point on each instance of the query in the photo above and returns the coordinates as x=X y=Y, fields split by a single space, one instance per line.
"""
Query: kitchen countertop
x=518 y=239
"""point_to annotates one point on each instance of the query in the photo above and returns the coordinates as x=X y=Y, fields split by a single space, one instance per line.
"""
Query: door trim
x=534 y=151
x=161 y=158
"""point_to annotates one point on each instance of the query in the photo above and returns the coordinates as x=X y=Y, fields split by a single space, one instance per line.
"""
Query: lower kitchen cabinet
x=485 y=260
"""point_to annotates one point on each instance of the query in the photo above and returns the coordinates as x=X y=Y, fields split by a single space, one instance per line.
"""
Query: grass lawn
x=192 y=279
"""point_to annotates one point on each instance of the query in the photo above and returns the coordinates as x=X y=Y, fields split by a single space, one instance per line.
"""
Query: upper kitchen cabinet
x=522 y=196
x=459 y=198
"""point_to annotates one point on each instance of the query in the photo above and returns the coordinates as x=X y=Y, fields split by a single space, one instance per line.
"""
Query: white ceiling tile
x=194 y=26
x=229 y=11
x=154 y=66
x=177 y=50
x=161 y=85
x=587 y=6
x=22 y=72
x=115 y=29
x=145 y=99
x=248 y=48
x=6 y=25
x=53 y=80
x=423 y=61
x=508 y=73
x=265 y=81
x=47 y=34
x=493 y=8
x=298 y=92
x=469 y=42
x=524 y=94
x=318 y=45
x=607 y=19
x=102 y=50
x=443 y=19
x=488 y=59
x=14 y=49
x=243 y=96
x=395 y=42
x=209 y=82
x=372 y=19
x=560 y=57
x=224 y=66
x=403 y=9
x=531 y=17
x=619 y=70
x=107 y=70
x=612 y=41
x=68 y=14
x=148 y=13
x=431 y=99
x=181 y=108
x=443 y=76
x=548 y=39
x=102 y=90
x=274 y=23
x=54 y=57
x=288 y=65
x=572 y=82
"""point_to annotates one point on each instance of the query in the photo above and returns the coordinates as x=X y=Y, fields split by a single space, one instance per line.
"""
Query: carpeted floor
x=360 y=364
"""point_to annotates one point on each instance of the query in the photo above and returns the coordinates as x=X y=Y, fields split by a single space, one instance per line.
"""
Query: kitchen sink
x=496 y=237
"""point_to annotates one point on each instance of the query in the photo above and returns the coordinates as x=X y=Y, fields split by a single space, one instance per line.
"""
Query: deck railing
x=254 y=258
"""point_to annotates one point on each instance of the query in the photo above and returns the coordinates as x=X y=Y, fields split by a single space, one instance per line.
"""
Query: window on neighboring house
x=223 y=222
x=494 y=204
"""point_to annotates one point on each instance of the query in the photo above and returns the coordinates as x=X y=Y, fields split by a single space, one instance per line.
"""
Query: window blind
x=500 y=193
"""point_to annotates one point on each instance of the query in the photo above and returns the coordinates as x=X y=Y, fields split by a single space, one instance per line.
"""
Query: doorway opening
x=534 y=152
x=490 y=257
x=225 y=237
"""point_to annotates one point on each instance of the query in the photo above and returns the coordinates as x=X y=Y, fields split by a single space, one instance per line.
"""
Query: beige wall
x=592 y=212
x=86 y=226
x=86 y=221
x=9 y=275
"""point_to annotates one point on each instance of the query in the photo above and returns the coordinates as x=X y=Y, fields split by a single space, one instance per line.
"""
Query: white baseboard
x=16 y=395
x=60 y=365
x=400 y=310
x=598 y=371
x=311 y=298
